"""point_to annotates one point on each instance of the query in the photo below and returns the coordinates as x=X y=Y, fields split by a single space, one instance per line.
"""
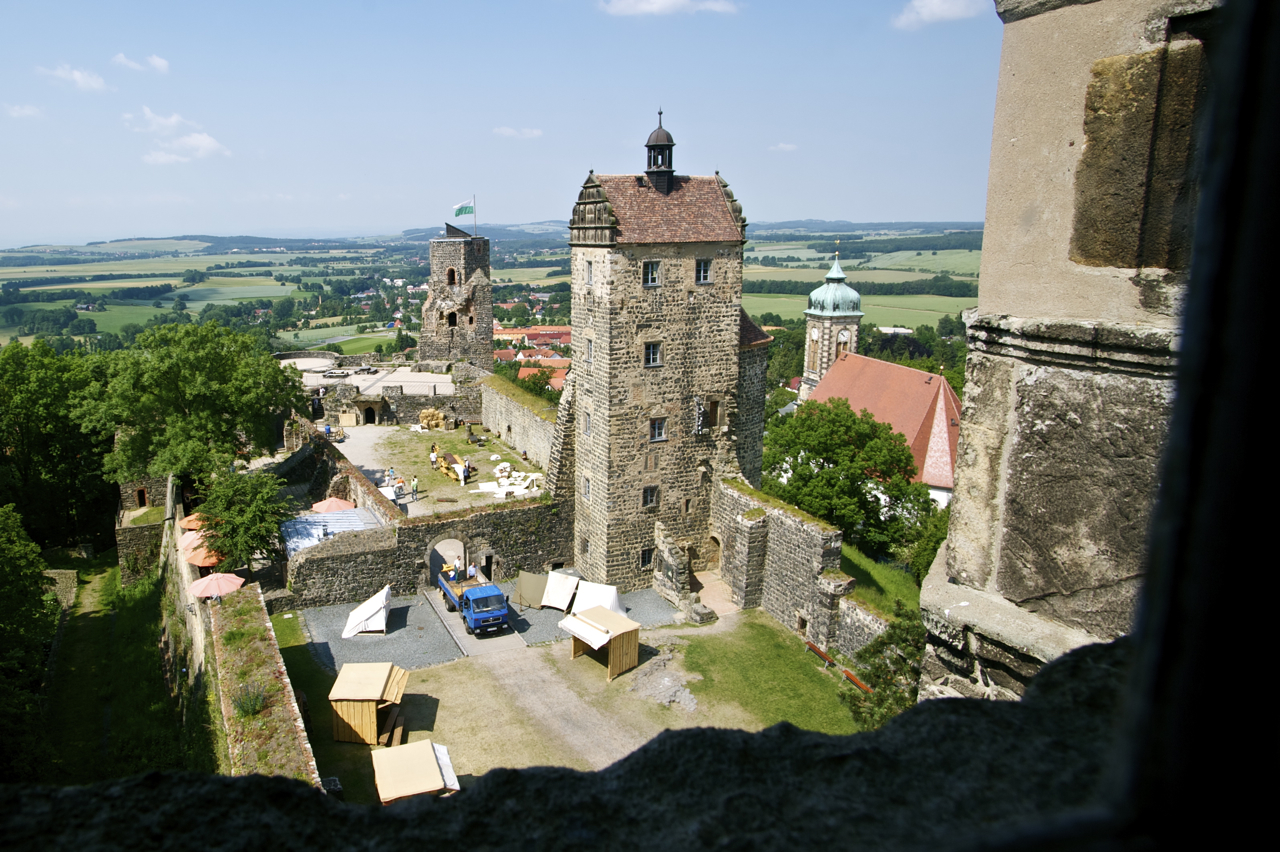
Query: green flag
x=464 y=209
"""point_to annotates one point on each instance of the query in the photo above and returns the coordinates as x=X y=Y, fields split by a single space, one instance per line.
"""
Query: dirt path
x=558 y=711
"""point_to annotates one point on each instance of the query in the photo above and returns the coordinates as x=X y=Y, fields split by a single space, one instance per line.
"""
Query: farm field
x=535 y=276
x=855 y=274
x=112 y=319
x=122 y=245
x=165 y=265
x=960 y=262
x=906 y=311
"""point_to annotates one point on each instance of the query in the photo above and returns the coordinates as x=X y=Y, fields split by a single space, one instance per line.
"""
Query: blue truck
x=482 y=605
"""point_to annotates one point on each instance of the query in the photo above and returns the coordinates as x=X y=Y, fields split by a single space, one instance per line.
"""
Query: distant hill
x=550 y=230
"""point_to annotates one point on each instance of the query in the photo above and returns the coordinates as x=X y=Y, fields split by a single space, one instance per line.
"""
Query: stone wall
x=517 y=426
x=155 y=489
x=748 y=434
x=777 y=557
x=857 y=627
x=136 y=547
x=352 y=566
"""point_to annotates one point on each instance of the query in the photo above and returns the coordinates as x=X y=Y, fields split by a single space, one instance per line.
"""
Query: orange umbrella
x=333 y=504
x=192 y=522
x=216 y=585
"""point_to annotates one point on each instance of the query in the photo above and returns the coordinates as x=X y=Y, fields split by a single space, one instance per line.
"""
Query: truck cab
x=481 y=604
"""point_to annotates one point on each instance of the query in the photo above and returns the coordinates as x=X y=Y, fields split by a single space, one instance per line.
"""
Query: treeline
x=45 y=260
x=938 y=285
x=958 y=241
x=83 y=279
x=561 y=264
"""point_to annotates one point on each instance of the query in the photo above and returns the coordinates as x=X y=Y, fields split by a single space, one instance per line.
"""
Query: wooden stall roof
x=369 y=682
x=608 y=619
x=407 y=770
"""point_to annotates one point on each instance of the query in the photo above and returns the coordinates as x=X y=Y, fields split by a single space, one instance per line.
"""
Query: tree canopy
x=186 y=394
x=243 y=513
x=849 y=470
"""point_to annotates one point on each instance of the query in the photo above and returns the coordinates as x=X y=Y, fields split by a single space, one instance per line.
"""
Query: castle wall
x=1069 y=379
x=517 y=426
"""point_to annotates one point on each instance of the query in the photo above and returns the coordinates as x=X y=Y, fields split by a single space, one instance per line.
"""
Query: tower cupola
x=660 y=171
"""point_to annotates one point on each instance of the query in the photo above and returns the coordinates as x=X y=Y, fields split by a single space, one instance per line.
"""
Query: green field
x=123 y=245
x=165 y=265
x=536 y=276
x=907 y=311
x=958 y=262
x=853 y=273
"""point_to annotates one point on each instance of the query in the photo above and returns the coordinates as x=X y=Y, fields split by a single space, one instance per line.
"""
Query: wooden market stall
x=361 y=690
x=598 y=627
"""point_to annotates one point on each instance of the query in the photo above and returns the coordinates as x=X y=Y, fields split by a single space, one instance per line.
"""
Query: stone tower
x=457 y=316
x=831 y=327
x=668 y=371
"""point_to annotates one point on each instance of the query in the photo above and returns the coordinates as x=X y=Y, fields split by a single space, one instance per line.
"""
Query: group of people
x=390 y=480
x=453 y=572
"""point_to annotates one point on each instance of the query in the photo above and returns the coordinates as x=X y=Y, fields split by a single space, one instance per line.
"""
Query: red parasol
x=333 y=504
x=192 y=522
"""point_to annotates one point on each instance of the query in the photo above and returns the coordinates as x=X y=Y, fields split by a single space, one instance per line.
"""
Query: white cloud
x=158 y=64
x=84 y=80
x=783 y=146
x=665 y=7
x=153 y=123
x=522 y=133
x=919 y=13
x=22 y=111
x=184 y=149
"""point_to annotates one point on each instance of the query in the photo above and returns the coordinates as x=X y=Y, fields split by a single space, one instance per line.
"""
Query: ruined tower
x=831 y=327
x=457 y=316
x=668 y=372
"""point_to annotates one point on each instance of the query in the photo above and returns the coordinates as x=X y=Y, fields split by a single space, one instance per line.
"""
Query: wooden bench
x=827 y=662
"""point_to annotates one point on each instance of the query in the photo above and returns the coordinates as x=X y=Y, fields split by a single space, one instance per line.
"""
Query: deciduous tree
x=243 y=513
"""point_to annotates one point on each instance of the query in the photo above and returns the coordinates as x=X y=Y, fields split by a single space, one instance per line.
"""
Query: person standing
x=471 y=570
x=413 y=487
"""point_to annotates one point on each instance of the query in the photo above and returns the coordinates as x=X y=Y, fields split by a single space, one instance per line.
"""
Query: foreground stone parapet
x=983 y=767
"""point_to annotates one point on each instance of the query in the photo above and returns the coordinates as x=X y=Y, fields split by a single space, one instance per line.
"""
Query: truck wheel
x=467 y=627
x=448 y=605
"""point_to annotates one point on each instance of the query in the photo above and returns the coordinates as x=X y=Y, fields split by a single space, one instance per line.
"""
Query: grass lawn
x=906 y=311
x=878 y=585
x=351 y=762
x=957 y=261
x=767 y=670
x=363 y=344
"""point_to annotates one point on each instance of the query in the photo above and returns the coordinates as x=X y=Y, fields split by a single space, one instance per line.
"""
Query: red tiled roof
x=695 y=211
x=749 y=334
x=920 y=405
x=540 y=363
x=526 y=372
x=794 y=384
x=530 y=354
x=504 y=354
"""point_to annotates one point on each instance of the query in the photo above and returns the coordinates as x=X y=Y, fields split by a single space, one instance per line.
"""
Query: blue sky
x=357 y=118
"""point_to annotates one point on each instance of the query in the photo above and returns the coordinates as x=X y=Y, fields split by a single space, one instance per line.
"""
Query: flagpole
x=475 y=228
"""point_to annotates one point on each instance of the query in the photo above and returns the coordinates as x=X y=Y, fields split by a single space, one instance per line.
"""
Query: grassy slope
x=878 y=585
x=767 y=671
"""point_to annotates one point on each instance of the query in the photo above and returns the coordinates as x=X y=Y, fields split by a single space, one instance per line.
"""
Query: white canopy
x=597 y=626
x=559 y=591
x=370 y=616
x=597 y=594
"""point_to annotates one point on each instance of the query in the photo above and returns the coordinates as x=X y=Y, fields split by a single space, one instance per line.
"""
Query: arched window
x=453 y=317
x=453 y=277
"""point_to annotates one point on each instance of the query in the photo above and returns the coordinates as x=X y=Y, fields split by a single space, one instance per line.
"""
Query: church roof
x=922 y=406
x=695 y=211
x=750 y=335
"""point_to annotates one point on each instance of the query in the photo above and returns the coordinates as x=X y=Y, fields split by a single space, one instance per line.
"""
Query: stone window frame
x=586 y=423
x=591 y=349
x=657 y=429
x=650 y=273
x=646 y=556
x=586 y=488
x=590 y=273
x=585 y=545
x=702 y=271
x=653 y=353
x=649 y=497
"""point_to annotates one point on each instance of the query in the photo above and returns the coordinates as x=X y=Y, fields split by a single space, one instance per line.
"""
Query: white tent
x=597 y=594
x=370 y=616
x=559 y=591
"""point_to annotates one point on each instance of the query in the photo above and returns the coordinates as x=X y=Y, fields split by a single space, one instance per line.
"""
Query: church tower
x=457 y=316
x=831 y=327
x=664 y=406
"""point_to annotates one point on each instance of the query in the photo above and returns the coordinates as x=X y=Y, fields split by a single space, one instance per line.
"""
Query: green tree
x=49 y=465
x=849 y=470
x=185 y=394
x=890 y=665
x=26 y=624
x=932 y=533
x=243 y=514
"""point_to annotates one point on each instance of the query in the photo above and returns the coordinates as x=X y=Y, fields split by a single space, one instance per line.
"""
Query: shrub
x=249 y=700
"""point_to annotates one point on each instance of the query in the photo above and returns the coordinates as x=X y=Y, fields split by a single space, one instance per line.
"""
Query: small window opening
x=650 y=497
x=453 y=277
x=646 y=557
x=453 y=320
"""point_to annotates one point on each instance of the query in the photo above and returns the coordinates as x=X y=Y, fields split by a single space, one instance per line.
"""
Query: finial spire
x=659 y=116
